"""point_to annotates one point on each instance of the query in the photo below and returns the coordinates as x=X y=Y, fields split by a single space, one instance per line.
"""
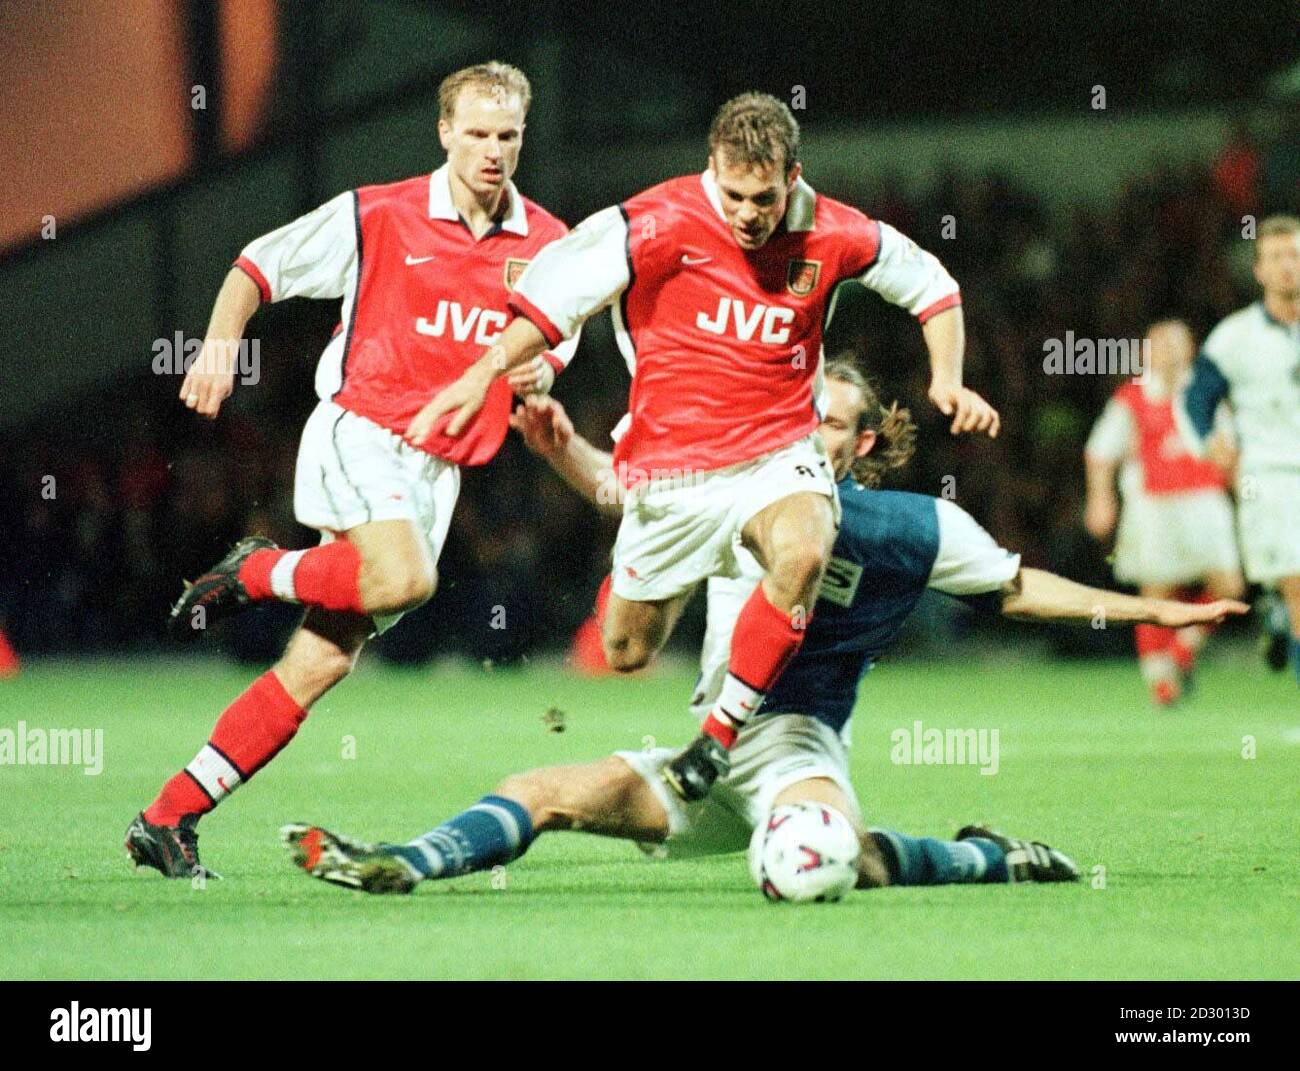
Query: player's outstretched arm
x=547 y=431
x=211 y=377
x=945 y=338
x=1037 y=595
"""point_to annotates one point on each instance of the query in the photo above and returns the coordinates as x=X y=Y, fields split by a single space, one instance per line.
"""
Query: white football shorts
x=772 y=752
x=1174 y=539
x=679 y=531
x=351 y=471
x=1268 y=513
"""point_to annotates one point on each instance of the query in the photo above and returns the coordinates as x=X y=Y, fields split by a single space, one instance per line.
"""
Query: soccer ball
x=803 y=852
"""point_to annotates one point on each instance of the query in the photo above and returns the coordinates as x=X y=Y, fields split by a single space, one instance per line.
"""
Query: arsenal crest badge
x=801 y=276
x=514 y=269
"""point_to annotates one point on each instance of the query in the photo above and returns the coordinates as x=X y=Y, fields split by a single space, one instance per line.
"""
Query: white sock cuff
x=214 y=772
x=282 y=576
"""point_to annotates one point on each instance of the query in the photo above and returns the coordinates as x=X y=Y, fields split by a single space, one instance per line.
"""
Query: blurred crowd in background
x=118 y=496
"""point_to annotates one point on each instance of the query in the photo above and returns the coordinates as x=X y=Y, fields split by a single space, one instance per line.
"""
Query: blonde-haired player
x=424 y=267
x=1175 y=526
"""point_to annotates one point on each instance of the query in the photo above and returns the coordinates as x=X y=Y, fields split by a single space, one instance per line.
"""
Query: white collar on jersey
x=441 y=207
x=800 y=209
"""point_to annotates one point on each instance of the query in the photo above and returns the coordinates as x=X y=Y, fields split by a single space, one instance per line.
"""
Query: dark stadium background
x=1068 y=217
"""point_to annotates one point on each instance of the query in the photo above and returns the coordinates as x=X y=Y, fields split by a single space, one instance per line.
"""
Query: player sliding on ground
x=891 y=546
x=1251 y=360
x=1175 y=527
x=424 y=268
x=718 y=285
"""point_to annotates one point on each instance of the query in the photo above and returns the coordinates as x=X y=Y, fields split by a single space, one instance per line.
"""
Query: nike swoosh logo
x=695 y=260
x=416 y=260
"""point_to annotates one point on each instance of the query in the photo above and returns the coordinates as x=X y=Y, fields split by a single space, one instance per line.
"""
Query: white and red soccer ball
x=804 y=852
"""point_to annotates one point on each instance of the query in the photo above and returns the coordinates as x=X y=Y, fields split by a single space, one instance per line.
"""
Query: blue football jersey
x=891 y=546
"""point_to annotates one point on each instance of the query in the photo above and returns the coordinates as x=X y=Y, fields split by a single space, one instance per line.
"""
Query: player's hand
x=210 y=378
x=533 y=377
x=543 y=425
x=1099 y=517
x=465 y=397
x=968 y=410
x=1169 y=614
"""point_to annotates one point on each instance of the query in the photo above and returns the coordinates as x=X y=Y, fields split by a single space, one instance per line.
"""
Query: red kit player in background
x=1175 y=529
x=719 y=284
x=424 y=268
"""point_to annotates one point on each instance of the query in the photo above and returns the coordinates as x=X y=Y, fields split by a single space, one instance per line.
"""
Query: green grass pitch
x=1188 y=847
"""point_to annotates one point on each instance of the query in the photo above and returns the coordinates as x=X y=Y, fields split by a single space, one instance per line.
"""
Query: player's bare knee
x=400 y=587
x=315 y=670
x=593 y=796
x=612 y=780
x=534 y=792
x=625 y=654
x=628 y=659
x=798 y=571
x=550 y=796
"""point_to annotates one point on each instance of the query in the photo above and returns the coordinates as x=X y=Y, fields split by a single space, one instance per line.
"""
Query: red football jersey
x=1168 y=467
x=724 y=344
x=421 y=299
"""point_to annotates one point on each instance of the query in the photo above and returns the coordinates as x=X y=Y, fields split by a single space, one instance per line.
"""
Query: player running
x=424 y=268
x=1175 y=528
x=891 y=546
x=718 y=285
x=1252 y=360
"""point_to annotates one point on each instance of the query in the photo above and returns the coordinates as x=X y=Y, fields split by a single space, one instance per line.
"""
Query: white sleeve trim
x=314 y=256
x=578 y=275
x=969 y=561
x=565 y=350
x=904 y=274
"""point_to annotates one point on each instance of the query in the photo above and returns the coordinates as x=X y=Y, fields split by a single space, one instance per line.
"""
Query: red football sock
x=762 y=644
x=588 y=649
x=1188 y=641
x=327 y=576
x=1152 y=639
x=246 y=737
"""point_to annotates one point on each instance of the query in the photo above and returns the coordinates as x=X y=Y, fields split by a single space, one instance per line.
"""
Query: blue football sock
x=927 y=861
x=494 y=831
x=1295 y=658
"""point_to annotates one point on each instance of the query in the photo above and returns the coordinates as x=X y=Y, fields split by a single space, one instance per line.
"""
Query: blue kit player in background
x=891 y=547
x=1251 y=360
